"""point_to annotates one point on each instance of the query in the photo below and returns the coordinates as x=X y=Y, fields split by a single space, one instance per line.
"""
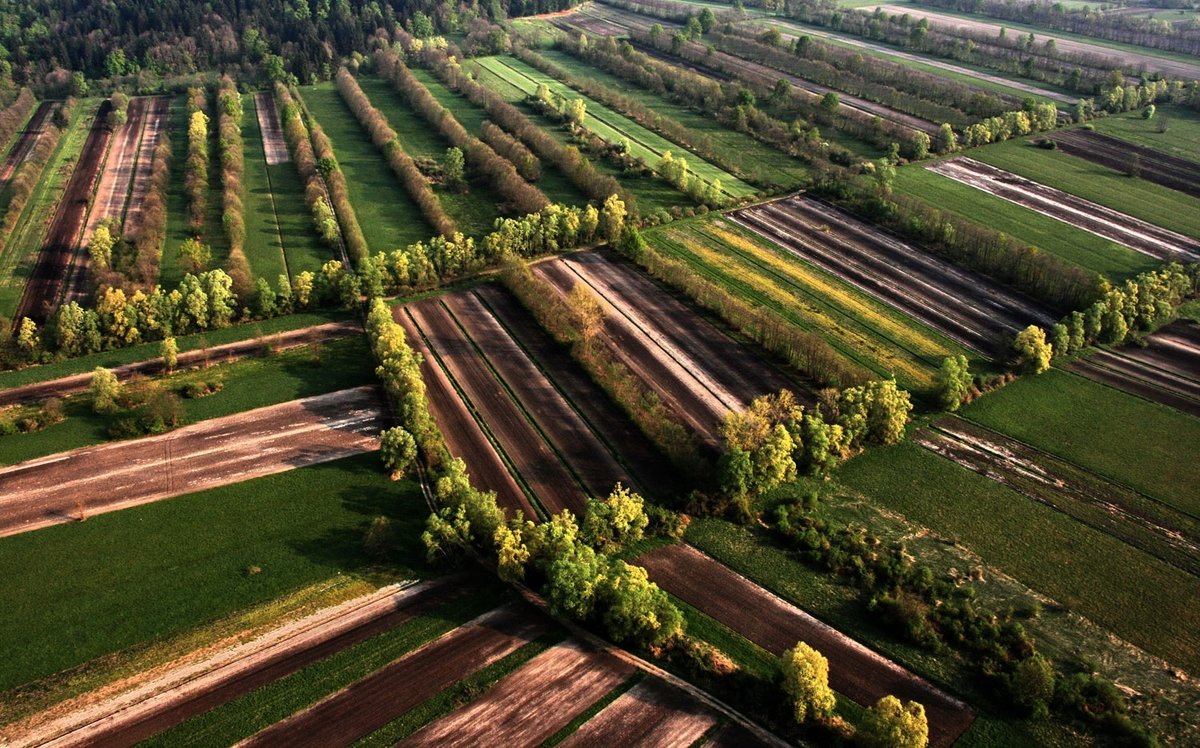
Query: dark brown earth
x=27 y=140
x=1154 y=166
x=208 y=454
x=50 y=273
x=965 y=306
x=372 y=702
x=531 y=704
x=274 y=145
x=651 y=714
x=773 y=624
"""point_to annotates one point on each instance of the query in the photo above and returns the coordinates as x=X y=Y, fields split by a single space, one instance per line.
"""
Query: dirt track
x=27 y=140
x=531 y=704
x=49 y=276
x=208 y=454
x=1134 y=233
x=216 y=354
x=775 y=625
x=272 y=132
x=651 y=715
x=1154 y=166
x=182 y=691
x=156 y=121
x=370 y=703
x=965 y=306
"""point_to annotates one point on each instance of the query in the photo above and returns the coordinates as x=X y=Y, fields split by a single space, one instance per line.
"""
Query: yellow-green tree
x=806 y=680
x=891 y=724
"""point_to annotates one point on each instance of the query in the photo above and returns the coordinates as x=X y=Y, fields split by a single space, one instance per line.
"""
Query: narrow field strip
x=1153 y=166
x=157 y=114
x=274 y=145
x=26 y=140
x=94 y=480
x=651 y=714
x=264 y=242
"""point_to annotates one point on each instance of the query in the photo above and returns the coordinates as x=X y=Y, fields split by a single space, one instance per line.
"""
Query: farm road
x=775 y=625
x=1134 y=233
x=77 y=383
x=205 y=455
x=192 y=686
x=370 y=703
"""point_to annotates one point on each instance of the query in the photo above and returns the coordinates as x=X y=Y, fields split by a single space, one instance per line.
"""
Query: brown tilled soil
x=1154 y=166
x=374 y=701
x=965 y=306
x=637 y=452
x=272 y=132
x=156 y=121
x=1134 y=233
x=204 y=357
x=531 y=704
x=59 y=248
x=465 y=438
x=29 y=137
x=535 y=462
x=205 y=455
x=775 y=625
x=651 y=714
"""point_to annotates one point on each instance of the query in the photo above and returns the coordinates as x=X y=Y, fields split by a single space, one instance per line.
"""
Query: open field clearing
x=27 y=138
x=1114 y=153
x=1166 y=370
x=1085 y=249
x=388 y=216
x=264 y=243
x=1100 y=428
x=698 y=370
x=1181 y=139
x=966 y=307
x=157 y=114
x=534 y=460
x=1148 y=525
x=197 y=684
x=49 y=278
x=775 y=625
x=1149 y=239
x=261 y=539
x=861 y=328
x=613 y=127
x=374 y=701
x=1141 y=599
x=756 y=159
x=72 y=485
x=1126 y=55
x=533 y=703
x=649 y=714
x=274 y=146
x=475 y=209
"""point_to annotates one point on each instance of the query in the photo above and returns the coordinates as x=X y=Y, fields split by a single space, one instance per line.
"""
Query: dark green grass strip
x=76 y=592
x=248 y=384
x=1182 y=136
x=464 y=692
x=257 y=710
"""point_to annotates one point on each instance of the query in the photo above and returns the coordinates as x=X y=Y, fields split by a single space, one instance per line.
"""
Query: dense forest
x=56 y=45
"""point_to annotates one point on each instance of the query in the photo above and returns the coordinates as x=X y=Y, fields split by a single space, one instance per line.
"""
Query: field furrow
x=1154 y=166
x=649 y=715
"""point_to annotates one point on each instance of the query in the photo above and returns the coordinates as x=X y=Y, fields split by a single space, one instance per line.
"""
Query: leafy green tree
x=947 y=141
x=806 y=681
x=447 y=535
x=920 y=145
x=194 y=256
x=635 y=609
x=1060 y=339
x=707 y=19
x=891 y=724
x=512 y=553
x=264 y=299
x=169 y=351
x=576 y=111
x=1033 y=352
x=29 y=343
x=612 y=218
x=1031 y=685
x=454 y=168
x=830 y=102
x=104 y=389
x=101 y=246
x=398 y=450
x=573 y=578
x=615 y=522
x=954 y=382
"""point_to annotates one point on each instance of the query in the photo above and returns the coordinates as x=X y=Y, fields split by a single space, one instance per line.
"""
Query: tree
x=612 y=218
x=169 y=351
x=104 y=389
x=28 y=340
x=954 y=382
x=194 y=255
x=708 y=19
x=1031 y=685
x=635 y=609
x=891 y=724
x=398 y=450
x=947 y=141
x=1033 y=352
x=830 y=102
x=1060 y=339
x=454 y=168
x=615 y=522
x=806 y=681
x=101 y=246
x=576 y=111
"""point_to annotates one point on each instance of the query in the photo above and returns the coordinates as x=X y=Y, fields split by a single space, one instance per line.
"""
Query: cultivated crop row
x=1139 y=161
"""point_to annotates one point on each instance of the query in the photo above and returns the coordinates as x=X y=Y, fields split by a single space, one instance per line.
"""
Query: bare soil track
x=156 y=120
x=60 y=246
x=1134 y=233
x=1146 y=524
x=205 y=455
x=374 y=701
x=464 y=435
x=180 y=691
x=651 y=714
x=1154 y=166
x=766 y=620
x=272 y=132
x=533 y=703
x=965 y=306
x=27 y=140
x=1166 y=370
x=77 y=383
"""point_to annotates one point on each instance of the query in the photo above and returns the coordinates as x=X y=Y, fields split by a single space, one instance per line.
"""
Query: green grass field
x=751 y=156
x=264 y=239
x=248 y=384
x=388 y=216
x=613 y=127
x=552 y=182
x=1181 y=139
x=80 y=591
x=474 y=210
x=1075 y=245
x=1144 y=445
x=1135 y=197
